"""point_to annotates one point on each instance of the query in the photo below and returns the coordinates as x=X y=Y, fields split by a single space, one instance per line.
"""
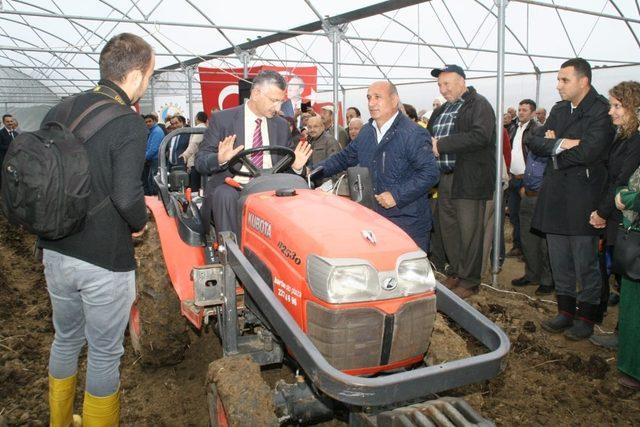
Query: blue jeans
x=89 y=304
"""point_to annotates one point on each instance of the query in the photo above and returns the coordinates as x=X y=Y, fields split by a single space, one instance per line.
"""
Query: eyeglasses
x=273 y=101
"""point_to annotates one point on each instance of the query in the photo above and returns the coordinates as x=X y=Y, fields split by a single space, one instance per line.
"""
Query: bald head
x=383 y=100
x=315 y=127
x=354 y=127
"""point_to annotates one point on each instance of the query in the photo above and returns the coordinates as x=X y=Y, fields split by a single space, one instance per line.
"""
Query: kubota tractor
x=332 y=288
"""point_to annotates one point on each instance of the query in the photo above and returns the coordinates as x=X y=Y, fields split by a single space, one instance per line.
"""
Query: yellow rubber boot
x=101 y=411
x=61 y=395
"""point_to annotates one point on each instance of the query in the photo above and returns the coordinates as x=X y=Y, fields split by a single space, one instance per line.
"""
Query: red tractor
x=332 y=288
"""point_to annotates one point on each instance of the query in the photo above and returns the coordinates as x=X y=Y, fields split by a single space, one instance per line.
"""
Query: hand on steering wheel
x=243 y=158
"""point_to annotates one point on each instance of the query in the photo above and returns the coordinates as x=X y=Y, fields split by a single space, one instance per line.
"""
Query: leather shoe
x=629 y=382
x=606 y=341
x=544 y=290
x=557 y=324
x=523 y=281
x=451 y=282
x=465 y=293
x=581 y=329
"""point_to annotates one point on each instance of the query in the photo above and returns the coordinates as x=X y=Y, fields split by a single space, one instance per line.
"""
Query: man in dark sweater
x=91 y=274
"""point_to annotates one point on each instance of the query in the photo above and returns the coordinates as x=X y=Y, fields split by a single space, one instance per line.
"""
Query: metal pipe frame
x=395 y=388
x=497 y=197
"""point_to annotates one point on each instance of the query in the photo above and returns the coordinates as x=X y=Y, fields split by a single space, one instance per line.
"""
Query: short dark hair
x=201 y=117
x=151 y=116
x=581 y=66
x=181 y=118
x=5 y=116
x=356 y=110
x=122 y=54
x=411 y=112
x=530 y=102
x=269 y=77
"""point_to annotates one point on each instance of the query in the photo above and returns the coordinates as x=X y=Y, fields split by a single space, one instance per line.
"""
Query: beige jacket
x=189 y=155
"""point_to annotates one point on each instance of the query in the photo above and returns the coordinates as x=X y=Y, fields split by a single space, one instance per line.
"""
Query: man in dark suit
x=7 y=134
x=178 y=143
x=518 y=136
x=575 y=137
x=253 y=124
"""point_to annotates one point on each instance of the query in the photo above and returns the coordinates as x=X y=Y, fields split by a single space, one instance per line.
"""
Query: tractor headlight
x=415 y=274
x=342 y=280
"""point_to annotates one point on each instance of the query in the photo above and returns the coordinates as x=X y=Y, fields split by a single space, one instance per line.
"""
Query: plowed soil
x=547 y=381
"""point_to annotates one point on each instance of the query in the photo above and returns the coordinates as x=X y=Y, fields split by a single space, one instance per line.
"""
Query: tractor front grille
x=366 y=337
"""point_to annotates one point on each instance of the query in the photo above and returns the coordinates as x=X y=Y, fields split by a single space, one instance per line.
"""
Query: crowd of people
x=570 y=179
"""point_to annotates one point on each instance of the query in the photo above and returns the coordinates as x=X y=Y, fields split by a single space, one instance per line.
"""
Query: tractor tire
x=237 y=395
x=157 y=329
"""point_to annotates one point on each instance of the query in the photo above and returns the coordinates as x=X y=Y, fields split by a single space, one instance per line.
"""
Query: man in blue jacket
x=156 y=134
x=399 y=156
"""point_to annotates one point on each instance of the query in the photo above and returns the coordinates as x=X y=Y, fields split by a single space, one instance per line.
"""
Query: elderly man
x=354 y=127
x=463 y=130
x=541 y=115
x=254 y=124
x=322 y=143
x=576 y=137
x=327 y=118
x=399 y=156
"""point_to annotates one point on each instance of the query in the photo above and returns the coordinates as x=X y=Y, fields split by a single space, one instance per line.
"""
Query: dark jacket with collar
x=473 y=142
x=402 y=163
x=116 y=159
x=231 y=122
x=526 y=134
x=323 y=147
x=622 y=161
x=574 y=179
x=5 y=140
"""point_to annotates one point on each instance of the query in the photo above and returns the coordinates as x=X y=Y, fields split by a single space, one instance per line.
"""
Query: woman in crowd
x=628 y=201
x=623 y=160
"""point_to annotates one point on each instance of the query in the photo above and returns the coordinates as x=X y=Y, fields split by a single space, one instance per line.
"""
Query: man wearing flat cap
x=463 y=139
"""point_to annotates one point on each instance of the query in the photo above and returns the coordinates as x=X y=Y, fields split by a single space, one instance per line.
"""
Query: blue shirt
x=153 y=142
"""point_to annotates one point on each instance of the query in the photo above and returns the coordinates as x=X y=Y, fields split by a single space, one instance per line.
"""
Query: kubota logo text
x=261 y=225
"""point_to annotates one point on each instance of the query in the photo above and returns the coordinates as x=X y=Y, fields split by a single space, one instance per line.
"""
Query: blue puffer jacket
x=403 y=164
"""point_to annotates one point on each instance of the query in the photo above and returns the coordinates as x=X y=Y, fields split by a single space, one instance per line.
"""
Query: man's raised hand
x=303 y=152
x=226 y=150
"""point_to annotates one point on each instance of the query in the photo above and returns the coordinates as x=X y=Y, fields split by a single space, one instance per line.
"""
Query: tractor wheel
x=158 y=330
x=237 y=395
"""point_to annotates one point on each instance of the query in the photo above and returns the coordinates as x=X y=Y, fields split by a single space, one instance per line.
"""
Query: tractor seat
x=272 y=182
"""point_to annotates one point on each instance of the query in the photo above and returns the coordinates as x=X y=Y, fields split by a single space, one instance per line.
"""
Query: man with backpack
x=90 y=273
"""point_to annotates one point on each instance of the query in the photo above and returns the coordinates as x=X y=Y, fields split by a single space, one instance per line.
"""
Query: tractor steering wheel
x=243 y=158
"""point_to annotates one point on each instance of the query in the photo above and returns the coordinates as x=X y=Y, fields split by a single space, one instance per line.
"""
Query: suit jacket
x=179 y=148
x=231 y=122
x=5 y=139
x=575 y=179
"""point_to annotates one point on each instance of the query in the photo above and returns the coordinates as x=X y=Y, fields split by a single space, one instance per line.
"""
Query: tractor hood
x=316 y=223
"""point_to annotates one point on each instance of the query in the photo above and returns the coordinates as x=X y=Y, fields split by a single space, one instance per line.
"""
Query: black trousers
x=575 y=267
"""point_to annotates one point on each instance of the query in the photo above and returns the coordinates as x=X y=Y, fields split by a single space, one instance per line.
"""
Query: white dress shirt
x=384 y=128
x=517 y=152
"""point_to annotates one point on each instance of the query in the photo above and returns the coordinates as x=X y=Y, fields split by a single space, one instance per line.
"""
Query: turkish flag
x=219 y=86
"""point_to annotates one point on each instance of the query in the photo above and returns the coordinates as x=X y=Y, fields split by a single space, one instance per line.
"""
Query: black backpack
x=46 y=179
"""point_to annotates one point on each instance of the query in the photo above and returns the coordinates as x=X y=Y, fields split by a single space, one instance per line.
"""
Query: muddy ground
x=548 y=380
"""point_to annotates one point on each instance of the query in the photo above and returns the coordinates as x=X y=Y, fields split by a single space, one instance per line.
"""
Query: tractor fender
x=179 y=257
